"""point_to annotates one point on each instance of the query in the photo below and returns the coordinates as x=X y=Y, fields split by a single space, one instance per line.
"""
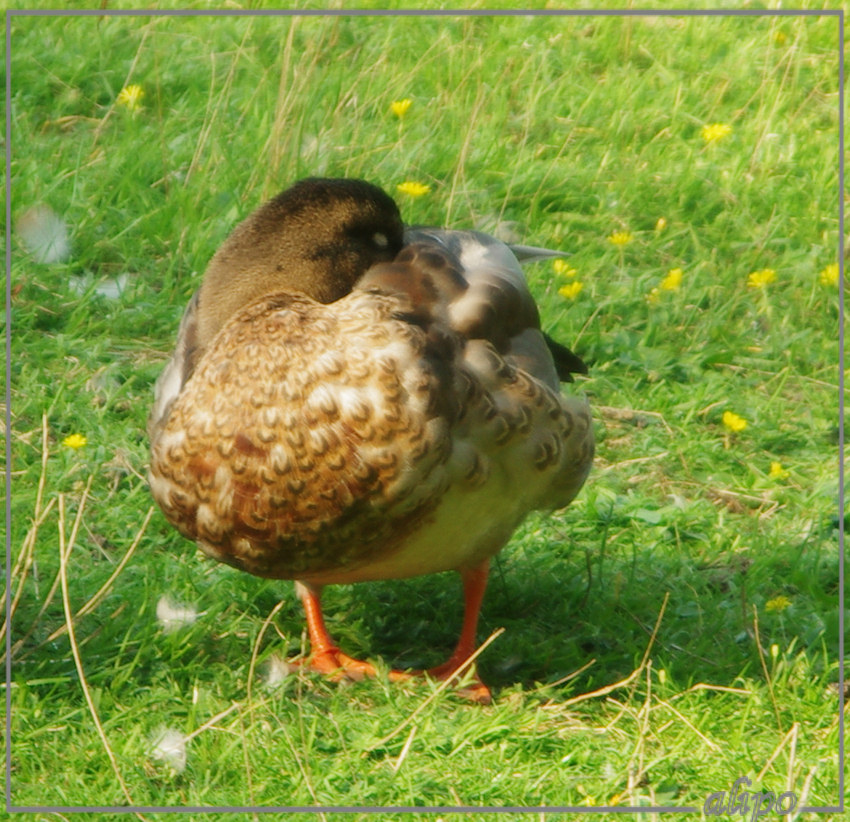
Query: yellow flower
x=761 y=278
x=654 y=296
x=563 y=268
x=673 y=280
x=75 y=441
x=400 y=107
x=588 y=799
x=620 y=238
x=733 y=422
x=779 y=38
x=778 y=472
x=660 y=224
x=715 y=131
x=413 y=189
x=829 y=276
x=131 y=97
x=572 y=290
x=777 y=604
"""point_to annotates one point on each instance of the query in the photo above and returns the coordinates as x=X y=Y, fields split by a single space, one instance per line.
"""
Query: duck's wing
x=499 y=305
x=533 y=253
x=470 y=286
x=523 y=253
x=178 y=369
x=567 y=362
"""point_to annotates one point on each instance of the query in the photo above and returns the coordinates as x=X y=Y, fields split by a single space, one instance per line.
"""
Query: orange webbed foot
x=473 y=689
x=329 y=660
x=337 y=666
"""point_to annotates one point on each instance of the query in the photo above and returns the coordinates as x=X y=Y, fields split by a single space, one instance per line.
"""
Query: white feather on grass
x=45 y=234
x=169 y=746
x=111 y=288
x=172 y=615
x=277 y=670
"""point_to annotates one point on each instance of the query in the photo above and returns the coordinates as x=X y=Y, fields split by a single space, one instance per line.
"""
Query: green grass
x=665 y=576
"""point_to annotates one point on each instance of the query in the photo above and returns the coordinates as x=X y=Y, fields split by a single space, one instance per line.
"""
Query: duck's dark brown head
x=316 y=238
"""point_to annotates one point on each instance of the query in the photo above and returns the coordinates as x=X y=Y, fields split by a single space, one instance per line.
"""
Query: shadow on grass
x=558 y=618
x=562 y=611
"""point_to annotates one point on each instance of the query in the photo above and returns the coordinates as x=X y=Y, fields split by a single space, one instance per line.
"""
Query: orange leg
x=474 y=585
x=326 y=657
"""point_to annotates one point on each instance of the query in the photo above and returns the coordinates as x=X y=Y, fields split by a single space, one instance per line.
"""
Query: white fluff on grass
x=169 y=746
x=45 y=234
x=172 y=615
x=111 y=288
x=277 y=670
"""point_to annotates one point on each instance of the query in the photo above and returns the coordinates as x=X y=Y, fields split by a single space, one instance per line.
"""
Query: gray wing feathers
x=178 y=370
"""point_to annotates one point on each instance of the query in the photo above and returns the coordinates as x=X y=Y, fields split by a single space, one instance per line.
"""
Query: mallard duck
x=350 y=401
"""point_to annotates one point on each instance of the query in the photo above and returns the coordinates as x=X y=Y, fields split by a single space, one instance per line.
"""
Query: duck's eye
x=380 y=239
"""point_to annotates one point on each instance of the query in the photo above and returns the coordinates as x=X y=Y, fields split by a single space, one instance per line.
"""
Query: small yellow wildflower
x=131 y=97
x=75 y=441
x=778 y=472
x=660 y=224
x=733 y=422
x=780 y=37
x=654 y=296
x=563 y=268
x=715 y=131
x=571 y=290
x=588 y=799
x=761 y=278
x=400 y=107
x=673 y=280
x=620 y=238
x=413 y=189
x=774 y=651
x=829 y=276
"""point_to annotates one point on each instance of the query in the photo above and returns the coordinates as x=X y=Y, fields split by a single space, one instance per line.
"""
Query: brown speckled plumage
x=404 y=427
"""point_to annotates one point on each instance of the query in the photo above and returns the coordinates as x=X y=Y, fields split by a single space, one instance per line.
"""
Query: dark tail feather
x=566 y=363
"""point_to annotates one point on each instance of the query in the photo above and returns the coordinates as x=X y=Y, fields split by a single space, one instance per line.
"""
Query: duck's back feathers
x=286 y=453
x=497 y=305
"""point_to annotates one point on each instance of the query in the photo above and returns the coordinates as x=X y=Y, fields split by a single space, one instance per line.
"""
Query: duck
x=350 y=400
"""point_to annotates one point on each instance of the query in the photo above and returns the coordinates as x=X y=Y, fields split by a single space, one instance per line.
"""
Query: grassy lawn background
x=692 y=573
